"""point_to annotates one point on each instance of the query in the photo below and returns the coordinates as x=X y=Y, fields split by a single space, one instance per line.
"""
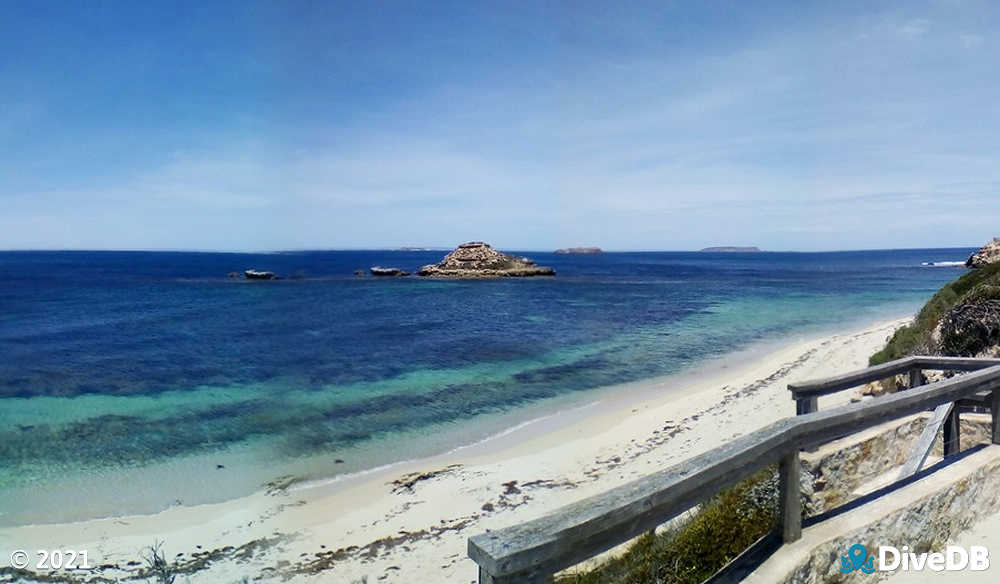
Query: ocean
x=134 y=381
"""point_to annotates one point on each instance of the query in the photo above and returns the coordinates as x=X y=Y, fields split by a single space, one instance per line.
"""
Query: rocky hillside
x=478 y=260
x=962 y=319
x=989 y=254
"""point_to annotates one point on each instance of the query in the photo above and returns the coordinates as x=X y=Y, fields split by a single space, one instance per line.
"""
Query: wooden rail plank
x=853 y=379
x=837 y=383
x=585 y=528
x=926 y=442
x=955 y=363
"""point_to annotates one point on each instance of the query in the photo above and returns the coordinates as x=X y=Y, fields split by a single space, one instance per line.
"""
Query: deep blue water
x=113 y=360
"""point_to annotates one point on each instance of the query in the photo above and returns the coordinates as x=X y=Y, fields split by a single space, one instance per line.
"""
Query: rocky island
x=475 y=260
x=731 y=248
x=581 y=250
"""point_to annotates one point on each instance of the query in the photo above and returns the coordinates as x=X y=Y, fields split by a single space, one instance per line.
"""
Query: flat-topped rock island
x=476 y=260
x=731 y=249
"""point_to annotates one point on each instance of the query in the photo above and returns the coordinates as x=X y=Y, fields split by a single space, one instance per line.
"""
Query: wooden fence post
x=789 y=506
x=806 y=405
x=952 y=433
x=995 y=413
x=916 y=377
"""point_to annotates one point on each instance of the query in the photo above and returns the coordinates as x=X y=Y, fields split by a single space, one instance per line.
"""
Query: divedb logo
x=890 y=559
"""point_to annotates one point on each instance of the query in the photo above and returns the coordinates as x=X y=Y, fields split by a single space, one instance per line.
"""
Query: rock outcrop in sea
x=380 y=271
x=988 y=254
x=259 y=275
x=580 y=250
x=476 y=259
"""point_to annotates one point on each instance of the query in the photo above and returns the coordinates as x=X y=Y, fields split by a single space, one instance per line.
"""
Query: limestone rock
x=988 y=254
x=478 y=260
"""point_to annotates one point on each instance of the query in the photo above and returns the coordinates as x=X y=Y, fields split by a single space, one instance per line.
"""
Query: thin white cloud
x=914 y=28
x=970 y=40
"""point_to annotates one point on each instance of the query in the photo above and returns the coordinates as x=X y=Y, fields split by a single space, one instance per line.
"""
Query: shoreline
x=570 y=409
x=415 y=515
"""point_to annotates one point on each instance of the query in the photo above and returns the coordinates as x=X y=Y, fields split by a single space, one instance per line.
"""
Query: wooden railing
x=531 y=552
x=806 y=394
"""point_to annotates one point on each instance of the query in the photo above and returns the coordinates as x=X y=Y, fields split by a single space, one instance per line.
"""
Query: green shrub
x=724 y=527
x=973 y=286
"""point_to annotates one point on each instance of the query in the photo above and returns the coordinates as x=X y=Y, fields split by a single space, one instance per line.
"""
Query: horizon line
x=413 y=249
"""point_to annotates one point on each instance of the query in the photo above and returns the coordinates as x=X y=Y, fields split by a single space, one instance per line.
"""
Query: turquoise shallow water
x=130 y=378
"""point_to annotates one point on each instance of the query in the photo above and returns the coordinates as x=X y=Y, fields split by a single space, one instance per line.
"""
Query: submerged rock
x=259 y=275
x=988 y=254
x=478 y=260
x=380 y=271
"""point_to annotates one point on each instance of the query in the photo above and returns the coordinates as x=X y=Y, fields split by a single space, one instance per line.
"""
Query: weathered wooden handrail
x=533 y=551
x=806 y=393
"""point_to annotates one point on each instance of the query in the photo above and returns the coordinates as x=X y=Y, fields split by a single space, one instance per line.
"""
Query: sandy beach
x=409 y=522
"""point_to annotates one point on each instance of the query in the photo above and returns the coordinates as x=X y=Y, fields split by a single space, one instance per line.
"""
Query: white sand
x=364 y=527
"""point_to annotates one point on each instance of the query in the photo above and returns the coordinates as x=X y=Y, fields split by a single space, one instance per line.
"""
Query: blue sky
x=660 y=125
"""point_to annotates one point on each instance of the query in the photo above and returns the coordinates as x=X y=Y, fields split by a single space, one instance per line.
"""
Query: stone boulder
x=478 y=260
x=988 y=254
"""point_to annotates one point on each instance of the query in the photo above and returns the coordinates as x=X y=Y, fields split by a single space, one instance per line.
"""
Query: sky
x=634 y=125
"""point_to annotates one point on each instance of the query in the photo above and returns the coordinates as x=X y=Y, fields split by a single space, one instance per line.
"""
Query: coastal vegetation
x=689 y=553
x=961 y=319
x=157 y=564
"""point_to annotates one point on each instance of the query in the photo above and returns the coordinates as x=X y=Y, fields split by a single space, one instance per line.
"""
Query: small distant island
x=476 y=260
x=582 y=250
x=731 y=248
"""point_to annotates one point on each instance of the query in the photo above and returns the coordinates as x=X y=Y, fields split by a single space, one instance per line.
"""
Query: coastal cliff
x=988 y=254
x=477 y=260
